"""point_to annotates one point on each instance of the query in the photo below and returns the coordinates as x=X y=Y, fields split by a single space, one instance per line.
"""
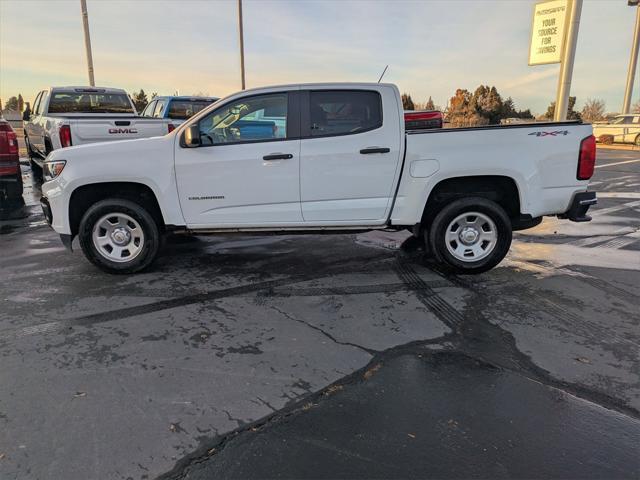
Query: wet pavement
x=265 y=336
x=413 y=417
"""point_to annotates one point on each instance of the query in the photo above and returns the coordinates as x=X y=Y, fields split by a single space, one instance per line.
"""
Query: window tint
x=183 y=109
x=342 y=112
x=252 y=119
x=148 y=110
x=89 y=102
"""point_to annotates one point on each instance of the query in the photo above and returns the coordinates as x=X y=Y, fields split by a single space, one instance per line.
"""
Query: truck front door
x=35 y=130
x=246 y=171
x=349 y=155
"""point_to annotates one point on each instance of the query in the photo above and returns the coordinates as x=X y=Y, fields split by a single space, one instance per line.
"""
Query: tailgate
x=92 y=130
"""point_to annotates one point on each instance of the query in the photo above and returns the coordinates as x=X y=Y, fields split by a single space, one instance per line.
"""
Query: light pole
x=568 y=56
x=633 y=62
x=87 y=40
x=241 y=43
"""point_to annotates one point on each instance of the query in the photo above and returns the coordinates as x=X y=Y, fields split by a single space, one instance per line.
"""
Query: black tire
x=637 y=142
x=436 y=234
x=150 y=246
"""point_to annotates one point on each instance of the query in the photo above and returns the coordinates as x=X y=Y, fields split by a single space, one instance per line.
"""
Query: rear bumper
x=11 y=188
x=579 y=206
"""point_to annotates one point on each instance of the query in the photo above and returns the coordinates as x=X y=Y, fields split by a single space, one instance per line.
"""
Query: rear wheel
x=119 y=236
x=637 y=142
x=470 y=235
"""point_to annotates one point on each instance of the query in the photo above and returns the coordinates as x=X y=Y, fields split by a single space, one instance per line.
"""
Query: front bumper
x=579 y=206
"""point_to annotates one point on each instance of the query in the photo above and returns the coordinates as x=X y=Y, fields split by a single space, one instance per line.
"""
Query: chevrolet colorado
x=65 y=116
x=340 y=160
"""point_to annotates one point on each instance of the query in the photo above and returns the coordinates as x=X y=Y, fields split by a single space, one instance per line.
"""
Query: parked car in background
x=176 y=108
x=343 y=162
x=66 y=116
x=10 y=174
x=621 y=129
x=423 y=119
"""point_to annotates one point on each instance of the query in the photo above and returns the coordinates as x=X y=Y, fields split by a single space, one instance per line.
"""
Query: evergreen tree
x=407 y=102
x=140 y=100
x=571 y=113
x=12 y=104
x=430 y=105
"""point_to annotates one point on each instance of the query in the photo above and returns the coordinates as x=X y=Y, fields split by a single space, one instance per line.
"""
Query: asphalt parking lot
x=326 y=356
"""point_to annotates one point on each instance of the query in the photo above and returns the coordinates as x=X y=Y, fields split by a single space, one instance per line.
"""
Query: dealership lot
x=133 y=376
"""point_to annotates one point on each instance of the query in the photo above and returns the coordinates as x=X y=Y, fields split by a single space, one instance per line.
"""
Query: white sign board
x=547 y=32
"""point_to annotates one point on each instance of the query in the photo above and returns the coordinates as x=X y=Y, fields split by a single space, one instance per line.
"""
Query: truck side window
x=148 y=110
x=250 y=119
x=157 y=112
x=343 y=112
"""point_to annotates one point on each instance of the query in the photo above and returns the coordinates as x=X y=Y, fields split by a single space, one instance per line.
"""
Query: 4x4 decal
x=553 y=134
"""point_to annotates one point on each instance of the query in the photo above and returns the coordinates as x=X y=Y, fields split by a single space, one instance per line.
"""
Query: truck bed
x=542 y=159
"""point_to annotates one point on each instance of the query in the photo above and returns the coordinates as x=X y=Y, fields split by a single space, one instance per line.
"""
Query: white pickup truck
x=66 y=116
x=621 y=129
x=320 y=157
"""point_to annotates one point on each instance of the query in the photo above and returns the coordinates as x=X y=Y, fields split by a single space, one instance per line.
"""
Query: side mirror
x=192 y=136
x=26 y=115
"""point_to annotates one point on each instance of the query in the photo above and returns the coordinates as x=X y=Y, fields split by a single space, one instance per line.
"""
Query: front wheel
x=470 y=235
x=119 y=236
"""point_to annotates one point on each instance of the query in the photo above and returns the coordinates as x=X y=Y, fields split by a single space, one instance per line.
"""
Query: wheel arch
x=501 y=189
x=86 y=195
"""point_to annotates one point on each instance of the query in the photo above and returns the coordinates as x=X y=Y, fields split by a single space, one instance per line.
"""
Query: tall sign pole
x=554 y=35
x=87 y=40
x=574 y=8
x=241 y=43
x=633 y=63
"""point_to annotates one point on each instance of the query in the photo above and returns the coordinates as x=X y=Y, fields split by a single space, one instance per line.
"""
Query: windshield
x=617 y=120
x=183 y=109
x=83 y=102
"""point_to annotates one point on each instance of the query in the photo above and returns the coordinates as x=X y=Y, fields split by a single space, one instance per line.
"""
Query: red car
x=422 y=119
x=10 y=174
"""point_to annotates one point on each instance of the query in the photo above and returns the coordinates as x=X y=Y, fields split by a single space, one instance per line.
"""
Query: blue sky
x=191 y=46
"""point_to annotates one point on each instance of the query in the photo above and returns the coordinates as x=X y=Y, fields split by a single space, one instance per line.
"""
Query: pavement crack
x=323 y=332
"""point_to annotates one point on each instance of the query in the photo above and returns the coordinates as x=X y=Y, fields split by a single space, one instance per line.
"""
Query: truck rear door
x=349 y=155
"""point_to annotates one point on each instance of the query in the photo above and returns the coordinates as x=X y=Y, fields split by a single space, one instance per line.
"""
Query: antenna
x=383 y=72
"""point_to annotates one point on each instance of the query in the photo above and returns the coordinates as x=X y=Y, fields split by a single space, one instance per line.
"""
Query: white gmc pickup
x=65 y=116
x=330 y=157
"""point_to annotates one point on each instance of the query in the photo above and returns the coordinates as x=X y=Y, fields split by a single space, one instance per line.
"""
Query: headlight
x=51 y=170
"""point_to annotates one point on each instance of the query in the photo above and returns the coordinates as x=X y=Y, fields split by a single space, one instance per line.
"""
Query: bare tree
x=636 y=107
x=593 y=110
